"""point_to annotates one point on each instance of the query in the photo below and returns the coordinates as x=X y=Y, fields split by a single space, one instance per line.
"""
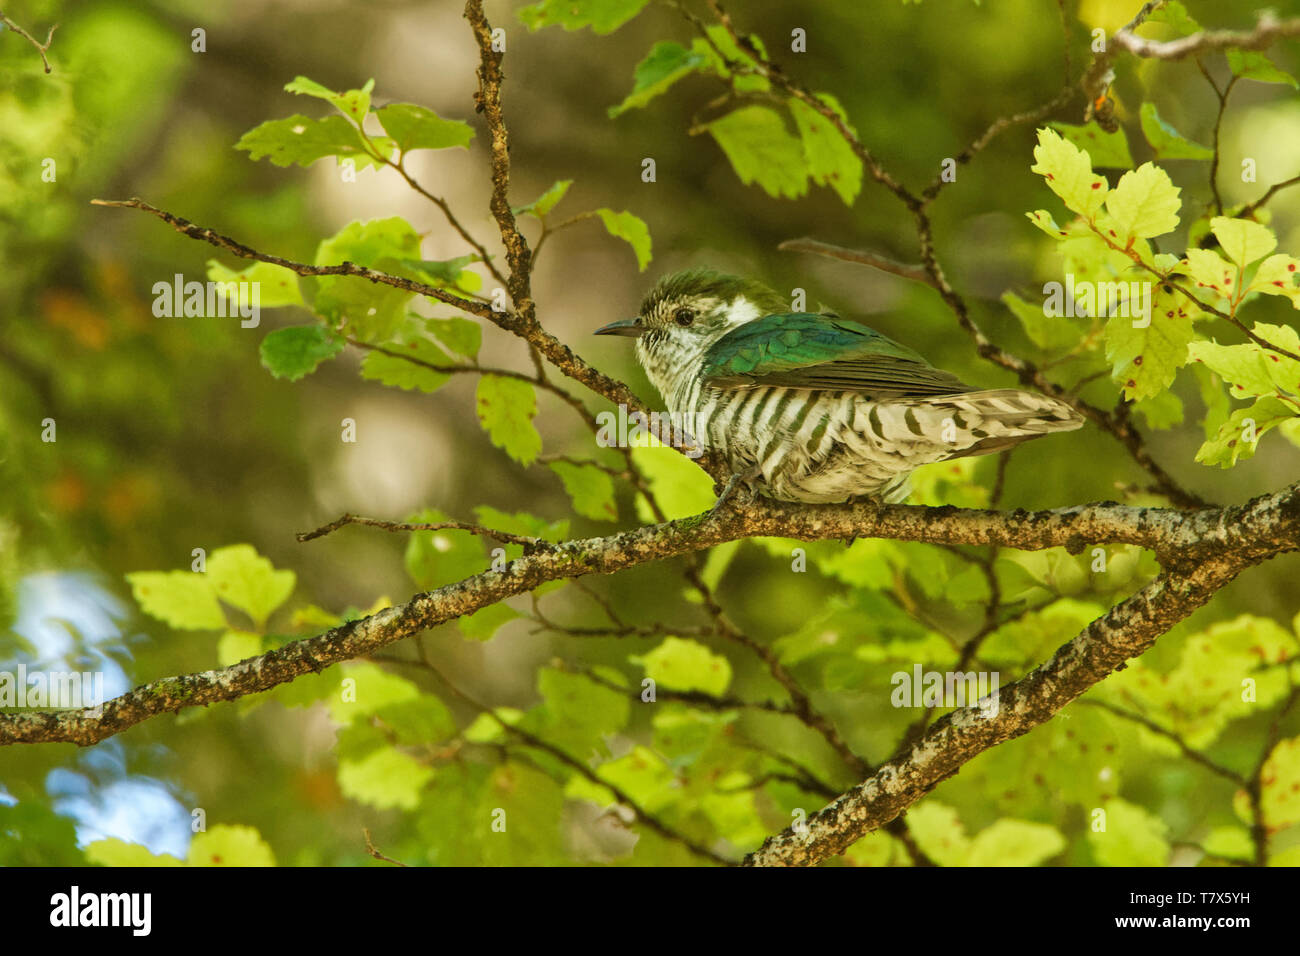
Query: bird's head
x=695 y=308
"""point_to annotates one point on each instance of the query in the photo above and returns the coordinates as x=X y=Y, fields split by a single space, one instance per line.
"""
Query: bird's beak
x=630 y=327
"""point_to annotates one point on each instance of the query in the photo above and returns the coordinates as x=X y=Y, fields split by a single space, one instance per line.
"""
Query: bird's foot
x=730 y=489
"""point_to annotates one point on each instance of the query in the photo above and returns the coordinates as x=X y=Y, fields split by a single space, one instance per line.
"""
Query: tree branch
x=1217 y=542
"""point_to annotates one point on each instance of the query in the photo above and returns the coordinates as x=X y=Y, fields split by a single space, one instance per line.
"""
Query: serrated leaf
x=301 y=140
x=1144 y=203
x=385 y=779
x=1175 y=14
x=1231 y=443
x=414 y=127
x=462 y=336
x=1254 y=65
x=1014 y=843
x=1106 y=150
x=353 y=103
x=483 y=624
x=665 y=64
x=590 y=488
x=1133 y=837
x=547 y=201
x=1211 y=271
x=243 y=578
x=374 y=311
x=829 y=159
x=603 y=16
x=276 y=285
x=115 y=852
x=632 y=229
x=1278 y=275
x=505 y=408
x=761 y=150
x=1068 y=172
x=1144 y=360
x=227 y=845
x=1167 y=141
x=235 y=646
x=1280 y=785
x=1251 y=369
x=686 y=665
x=182 y=599
x=1242 y=240
x=406 y=360
x=1047 y=332
x=435 y=558
x=297 y=351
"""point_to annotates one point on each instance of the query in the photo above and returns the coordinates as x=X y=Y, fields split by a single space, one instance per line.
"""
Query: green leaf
x=679 y=485
x=243 y=578
x=505 y=408
x=686 y=665
x=762 y=151
x=1106 y=150
x=301 y=140
x=1242 y=240
x=183 y=599
x=114 y=852
x=462 y=336
x=1014 y=843
x=353 y=104
x=483 y=624
x=1144 y=203
x=1231 y=442
x=226 y=845
x=1251 y=369
x=829 y=158
x=1176 y=16
x=591 y=489
x=1144 y=361
x=371 y=690
x=236 y=646
x=405 y=361
x=417 y=721
x=1210 y=270
x=385 y=779
x=1047 y=332
x=414 y=127
x=1167 y=141
x=276 y=285
x=1278 y=275
x=1280 y=796
x=547 y=201
x=296 y=351
x=938 y=831
x=631 y=229
x=1068 y=171
x=665 y=64
x=1133 y=837
x=577 y=714
x=374 y=311
x=1253 y=65
x=603 y=16
x=435 y=558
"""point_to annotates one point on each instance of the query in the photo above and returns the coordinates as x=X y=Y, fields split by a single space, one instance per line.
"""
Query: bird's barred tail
x=977 y=423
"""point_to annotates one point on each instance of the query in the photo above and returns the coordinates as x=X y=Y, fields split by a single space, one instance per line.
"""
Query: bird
x=808 y=406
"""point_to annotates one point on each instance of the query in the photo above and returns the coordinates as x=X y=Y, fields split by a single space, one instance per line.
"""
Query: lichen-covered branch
x=1215 y=541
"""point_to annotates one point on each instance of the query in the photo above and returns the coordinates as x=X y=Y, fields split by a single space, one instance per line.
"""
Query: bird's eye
x=684 y=317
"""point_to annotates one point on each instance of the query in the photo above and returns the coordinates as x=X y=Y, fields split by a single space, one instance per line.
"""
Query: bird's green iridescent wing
x=803 y=350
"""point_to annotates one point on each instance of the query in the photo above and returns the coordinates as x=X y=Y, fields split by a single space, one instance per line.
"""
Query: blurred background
x=171 y=436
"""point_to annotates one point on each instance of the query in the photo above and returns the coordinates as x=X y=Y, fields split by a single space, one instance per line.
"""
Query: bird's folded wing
x=805 y=350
